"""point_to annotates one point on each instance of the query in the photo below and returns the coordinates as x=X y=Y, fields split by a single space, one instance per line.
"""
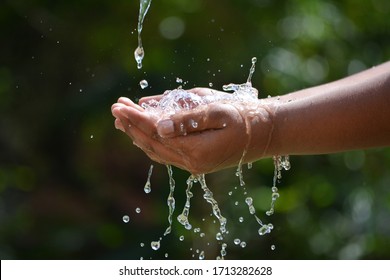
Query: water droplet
x=91 y=136
x=237 y=241
x=243 y=244
x=201 y=255
x=166 y=255
x=155 y=245
x=80 y=90
x=210 y=84
x=275 y=196
x=181 y=238
x=179 y=81
x=194 y=124
x=147 y=188
x=142 y=244
x=273 y=247
x=143 y=84
x=126 y=219
x=219 y=236
x=139 y=56
x=240 y=219
x=249 y=201
x=265 y=229
x=138 y=210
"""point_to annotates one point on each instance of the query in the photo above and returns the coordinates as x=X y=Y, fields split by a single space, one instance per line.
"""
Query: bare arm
x=351 y=113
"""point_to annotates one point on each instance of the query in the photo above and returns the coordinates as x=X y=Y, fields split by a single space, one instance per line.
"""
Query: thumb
x=193 y=121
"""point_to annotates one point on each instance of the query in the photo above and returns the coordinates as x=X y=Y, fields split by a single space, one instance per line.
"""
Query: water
x=183 y=217
x=126 y=219
x=155 y=245
x=139 y=52
x=170 y=200
x=179 y=99
x=148 y=186
x=280 y=163
x=264 y=228
x=143 y=84
x=201 y=255
x=208 y=196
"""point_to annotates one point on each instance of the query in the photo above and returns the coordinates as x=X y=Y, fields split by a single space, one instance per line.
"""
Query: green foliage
x=67 y=176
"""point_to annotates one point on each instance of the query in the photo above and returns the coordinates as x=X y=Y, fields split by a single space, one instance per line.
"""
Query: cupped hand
x=201 y=140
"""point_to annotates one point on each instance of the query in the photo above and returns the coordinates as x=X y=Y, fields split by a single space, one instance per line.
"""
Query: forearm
x=352 y=113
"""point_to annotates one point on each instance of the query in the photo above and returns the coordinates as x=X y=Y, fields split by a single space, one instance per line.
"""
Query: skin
x=351 y=113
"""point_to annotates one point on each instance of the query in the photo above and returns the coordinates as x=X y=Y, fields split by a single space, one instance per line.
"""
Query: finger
x=197 y=91
x=155 y=149
x=126 y=101
x=119 y=125
x=147 y=99
x=141 y=119
x=194 y=121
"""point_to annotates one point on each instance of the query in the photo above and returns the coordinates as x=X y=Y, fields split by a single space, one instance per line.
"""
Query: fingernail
x=165 y=128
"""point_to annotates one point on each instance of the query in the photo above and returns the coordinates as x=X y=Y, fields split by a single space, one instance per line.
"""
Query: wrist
x=260 y=127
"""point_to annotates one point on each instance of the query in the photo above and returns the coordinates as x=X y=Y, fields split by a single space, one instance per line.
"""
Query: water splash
x=139 y=52
x=179 y=99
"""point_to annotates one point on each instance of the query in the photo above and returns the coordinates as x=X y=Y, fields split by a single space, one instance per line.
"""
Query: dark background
x=67 y=176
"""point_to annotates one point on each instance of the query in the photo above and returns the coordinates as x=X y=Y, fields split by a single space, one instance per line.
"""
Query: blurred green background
x=67 y=176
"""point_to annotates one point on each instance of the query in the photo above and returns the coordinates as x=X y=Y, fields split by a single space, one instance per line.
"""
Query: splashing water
x=139 y=52
x=179 y=99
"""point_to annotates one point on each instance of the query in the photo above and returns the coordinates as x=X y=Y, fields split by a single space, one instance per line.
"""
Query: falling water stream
x=139 y=52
